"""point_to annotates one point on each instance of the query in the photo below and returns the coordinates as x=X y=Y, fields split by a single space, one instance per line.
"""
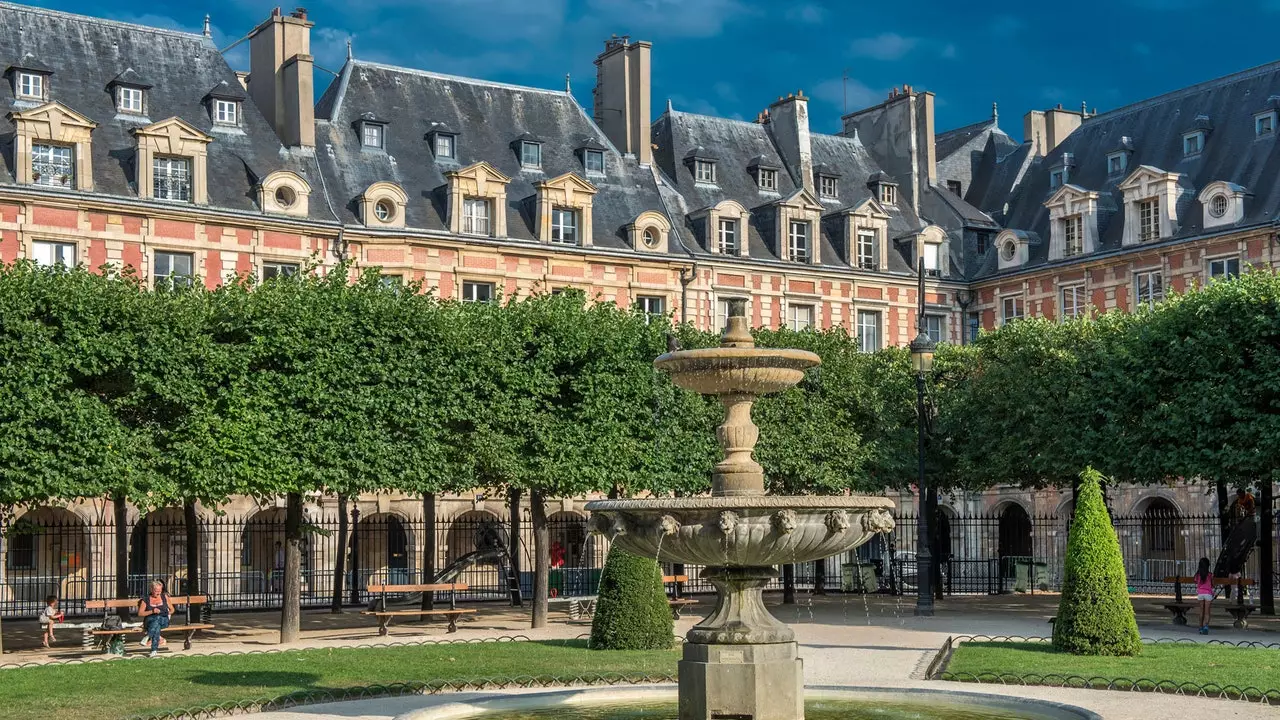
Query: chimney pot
x=300 y=13
x=275 y=12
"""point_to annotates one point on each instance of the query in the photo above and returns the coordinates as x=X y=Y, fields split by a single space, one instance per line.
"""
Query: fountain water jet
x=740 y=662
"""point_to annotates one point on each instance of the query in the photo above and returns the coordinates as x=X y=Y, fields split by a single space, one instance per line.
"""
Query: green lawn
x=1180 y=663
x=118 y=689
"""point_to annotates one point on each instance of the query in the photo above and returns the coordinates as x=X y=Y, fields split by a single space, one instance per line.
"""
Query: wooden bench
x=1239 y=611
x=107 y=606
x=384 y=615
x=674 y=601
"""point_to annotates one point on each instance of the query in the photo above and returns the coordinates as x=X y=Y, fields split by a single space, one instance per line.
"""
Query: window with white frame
x=704 y=171
x=867 y=250
x=226 y=112
x=50 y=254
x=1056 y=178
x=129 y=100
x=1072 y=235
x=593 y=161
x=975 y=325
x=768 y=179
x=1117 y=162
x=477 y=291
x=727 y=237
x=1150 y=287
x=1218 y=205
x=1264 y=124
x=1192 y=143
x=1224 y=268
x=564 y=226
x=935 y=328
x=530 y=154
x=799 y=317
x=53 y=165
x=1073 y=302
x=651 y=305
x=1011 y=308
x=171 y=178
x=29 y=86
x=390 y=280
x=384 y=210
x=1149 y=219
x=727 y=308
x=828 y=187
x=173 y=269
x=475 y=216
x=272 y=270
x=868 y=331
x=932 y=259
x=798 y=241
x=446 y=146
x=889 y=194
x=371 y=136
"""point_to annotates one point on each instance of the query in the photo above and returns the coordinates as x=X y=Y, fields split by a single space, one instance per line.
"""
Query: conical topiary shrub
x=1095 y=616
x=631 y=610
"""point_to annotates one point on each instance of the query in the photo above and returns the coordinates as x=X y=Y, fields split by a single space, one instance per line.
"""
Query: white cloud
x=806 y=13
x=836 y=91
x=885 y=46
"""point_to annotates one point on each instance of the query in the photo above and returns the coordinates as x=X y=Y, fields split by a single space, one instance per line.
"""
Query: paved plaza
x=846 y=640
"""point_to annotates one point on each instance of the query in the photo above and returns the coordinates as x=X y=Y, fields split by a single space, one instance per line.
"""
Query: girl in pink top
x=1204 y=593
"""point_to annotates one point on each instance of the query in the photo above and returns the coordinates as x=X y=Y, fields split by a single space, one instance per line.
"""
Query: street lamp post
x=922 y=348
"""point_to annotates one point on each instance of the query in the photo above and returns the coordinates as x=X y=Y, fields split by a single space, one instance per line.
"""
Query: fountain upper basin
x=728 y=370
x=741 y=531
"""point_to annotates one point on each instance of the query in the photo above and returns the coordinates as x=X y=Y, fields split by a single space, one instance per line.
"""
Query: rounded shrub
x=1095 y=616
x=631 y=610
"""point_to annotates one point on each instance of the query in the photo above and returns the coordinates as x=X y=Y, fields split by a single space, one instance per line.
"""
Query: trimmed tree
x=1095 y=616
x=631 y=612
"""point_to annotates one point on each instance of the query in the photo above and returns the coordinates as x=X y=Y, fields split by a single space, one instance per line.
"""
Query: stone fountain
x=740 y=662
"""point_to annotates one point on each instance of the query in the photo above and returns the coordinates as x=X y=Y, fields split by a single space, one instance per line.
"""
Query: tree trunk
x=789 y=584
x=541 y=558
x=428 y=549
x=120 y=512
x=355 y=554
x=191 y=523
x=1223 y=521
x=340 y=561
x=3 y=562
x=1266 y=559
x=820 y=577
x=513 y=503
x=291 y=611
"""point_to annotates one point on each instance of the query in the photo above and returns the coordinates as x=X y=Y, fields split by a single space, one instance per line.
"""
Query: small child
x=48 y=616
x=1204 y=593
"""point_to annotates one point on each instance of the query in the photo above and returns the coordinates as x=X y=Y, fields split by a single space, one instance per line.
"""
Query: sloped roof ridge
x=90 y=20
x=1180 y=93
x=456 y=78
x=749 y=123
x=966 y=128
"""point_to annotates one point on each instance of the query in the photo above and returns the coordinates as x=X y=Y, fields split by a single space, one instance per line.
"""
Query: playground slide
x=1237 y=548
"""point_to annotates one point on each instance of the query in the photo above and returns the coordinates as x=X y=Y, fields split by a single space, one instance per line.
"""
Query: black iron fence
x=51 y=551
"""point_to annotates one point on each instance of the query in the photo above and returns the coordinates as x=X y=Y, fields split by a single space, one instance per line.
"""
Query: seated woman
x=155 y=610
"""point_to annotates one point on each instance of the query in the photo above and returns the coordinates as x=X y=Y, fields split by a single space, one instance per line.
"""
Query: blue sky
x=732 y=57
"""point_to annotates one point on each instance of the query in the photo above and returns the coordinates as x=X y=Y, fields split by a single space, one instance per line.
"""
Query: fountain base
x=741 y=682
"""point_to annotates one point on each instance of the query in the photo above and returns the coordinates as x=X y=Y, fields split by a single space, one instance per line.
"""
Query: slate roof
x=488 y=119
x=86 y=54
x=1232 y=153
x=950 y=142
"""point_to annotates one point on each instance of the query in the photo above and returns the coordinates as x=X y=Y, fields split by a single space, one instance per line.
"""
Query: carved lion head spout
x=668 y=525
x=728 y=522
x=837 y=521
x=877 y=521
x=784 y=521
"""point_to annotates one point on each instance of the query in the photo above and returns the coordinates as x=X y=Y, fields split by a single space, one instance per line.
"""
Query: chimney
x=788 y=123
x=1050 y=127
x=620 y=101
x=281 y=80
x=899 y=133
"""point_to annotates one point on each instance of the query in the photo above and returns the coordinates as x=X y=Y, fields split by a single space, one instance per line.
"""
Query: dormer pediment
x=1070 y=197
x=172 y=134
x=481 y=172
x=1144 y=177
x=801 y=199
x=56 y=115
x=869 y=208
x=568 y=183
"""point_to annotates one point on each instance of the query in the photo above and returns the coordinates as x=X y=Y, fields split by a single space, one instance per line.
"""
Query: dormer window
x=828 y=187
x=593 y=161
x=768 y=179
x=1264 y=124
x=1057 y=178
x=475 y=216
x=446 y=146
x=129 y=100
x=704 y=171
x=798 y=242
x=171 y=178
x=564 y=226
x=932 y=259
x=371 y=136
x=1149 y=219
x=53 y=165
x=1192 y=143
x=530 y=154
x=29 y=86
x=1117 y=162
x=889 y=194
x=226 y=112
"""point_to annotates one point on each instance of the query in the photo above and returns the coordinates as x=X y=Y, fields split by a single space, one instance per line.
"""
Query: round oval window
x=383 y=210
x=1218 y=206
x=650 y=238
x=1007 y=250
x=285 y=197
